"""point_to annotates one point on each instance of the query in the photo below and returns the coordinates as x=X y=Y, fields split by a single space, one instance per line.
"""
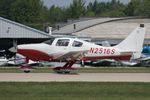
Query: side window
x=62 y=42
x=145 y=51
x=49 y=41
x=77 y=44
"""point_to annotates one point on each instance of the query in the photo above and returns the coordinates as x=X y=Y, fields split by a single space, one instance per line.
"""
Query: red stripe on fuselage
x=38 y=55
x=34 y=54
x=127 y=57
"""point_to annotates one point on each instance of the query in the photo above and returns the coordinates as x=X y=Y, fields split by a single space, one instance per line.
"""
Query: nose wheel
x=27 y=69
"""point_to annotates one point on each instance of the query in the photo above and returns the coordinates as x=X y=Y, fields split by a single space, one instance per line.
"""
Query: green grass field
x=74 y=91
x=81 y=70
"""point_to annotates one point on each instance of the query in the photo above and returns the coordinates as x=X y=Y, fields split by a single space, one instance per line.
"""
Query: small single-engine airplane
x=145 y=56
x=71 y=50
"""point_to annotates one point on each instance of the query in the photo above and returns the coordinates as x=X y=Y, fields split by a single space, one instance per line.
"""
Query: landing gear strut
x=66 y=68
x=26 y=68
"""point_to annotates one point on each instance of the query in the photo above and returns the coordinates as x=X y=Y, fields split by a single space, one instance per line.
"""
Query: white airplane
x=71 y=50
x=15 y=61
x=3 y=61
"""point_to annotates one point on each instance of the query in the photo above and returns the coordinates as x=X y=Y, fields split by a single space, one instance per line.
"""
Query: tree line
x=34 y=14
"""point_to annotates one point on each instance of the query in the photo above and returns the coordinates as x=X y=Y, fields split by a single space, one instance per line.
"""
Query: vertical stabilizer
x=134 y=42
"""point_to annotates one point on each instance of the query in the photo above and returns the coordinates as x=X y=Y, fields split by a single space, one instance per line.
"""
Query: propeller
x=14 y=48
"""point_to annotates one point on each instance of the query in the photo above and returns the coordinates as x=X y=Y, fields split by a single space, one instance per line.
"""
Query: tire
x=26 y=71
x=59 y=72
x=66 y=72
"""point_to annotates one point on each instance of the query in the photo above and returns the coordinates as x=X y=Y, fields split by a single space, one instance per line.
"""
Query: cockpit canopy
x=64 y=42
x=77 y=44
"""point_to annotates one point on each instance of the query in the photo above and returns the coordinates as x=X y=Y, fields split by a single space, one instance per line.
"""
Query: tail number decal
x=102 y=50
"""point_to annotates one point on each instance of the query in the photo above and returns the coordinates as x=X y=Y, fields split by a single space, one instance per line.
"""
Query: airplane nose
x=13 y=49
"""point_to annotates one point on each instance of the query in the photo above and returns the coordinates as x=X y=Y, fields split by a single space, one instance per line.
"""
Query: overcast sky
x=65 y=3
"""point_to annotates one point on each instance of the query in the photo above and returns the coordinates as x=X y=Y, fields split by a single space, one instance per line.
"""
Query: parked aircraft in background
x=16 y=61
x=144 y=60
x=3 y=61
x=146 y=51
x=71 y=50
x=145 y=55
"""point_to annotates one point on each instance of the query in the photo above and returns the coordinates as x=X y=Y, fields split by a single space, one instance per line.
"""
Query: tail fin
x=134 y=42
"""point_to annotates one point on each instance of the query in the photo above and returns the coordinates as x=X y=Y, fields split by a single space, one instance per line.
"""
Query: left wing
x=71 y=56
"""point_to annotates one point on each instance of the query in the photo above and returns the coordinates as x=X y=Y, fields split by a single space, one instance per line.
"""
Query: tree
x=27 y=11
x=114 y=13
x=34 y=14
x=130 y=9
x=113 y=8
x=5 y=6
x=56 y=14
x=76 y=9
x=143 y=9
x=93 y=7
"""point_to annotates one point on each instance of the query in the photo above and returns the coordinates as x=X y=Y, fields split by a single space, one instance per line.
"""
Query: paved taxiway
x=87 y=77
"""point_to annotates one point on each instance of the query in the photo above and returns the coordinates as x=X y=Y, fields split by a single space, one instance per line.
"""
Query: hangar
x=12 y=33
x=113 y=30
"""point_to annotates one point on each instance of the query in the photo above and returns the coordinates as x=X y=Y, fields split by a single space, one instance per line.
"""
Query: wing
x=71 y=56
x=144 y=58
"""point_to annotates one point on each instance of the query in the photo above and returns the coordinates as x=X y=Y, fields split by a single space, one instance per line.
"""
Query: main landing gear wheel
x=26 y=71
x=66 y=68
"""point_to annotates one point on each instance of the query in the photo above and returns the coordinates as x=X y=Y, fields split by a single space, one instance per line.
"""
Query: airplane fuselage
x=50 y=51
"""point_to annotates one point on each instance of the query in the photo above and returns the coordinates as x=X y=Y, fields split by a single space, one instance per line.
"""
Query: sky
x=62 y=3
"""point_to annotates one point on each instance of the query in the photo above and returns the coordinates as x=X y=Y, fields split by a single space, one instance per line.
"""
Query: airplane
x=16 y=61
x=3 y=61
x=71 y=50
x=144 y=60
x=146 y=51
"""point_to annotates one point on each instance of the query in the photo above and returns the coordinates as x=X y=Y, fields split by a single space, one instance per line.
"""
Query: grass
x=81 y=70
x=74 y=91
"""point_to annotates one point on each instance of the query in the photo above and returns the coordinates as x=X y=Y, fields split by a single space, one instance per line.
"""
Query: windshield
x=49 y=42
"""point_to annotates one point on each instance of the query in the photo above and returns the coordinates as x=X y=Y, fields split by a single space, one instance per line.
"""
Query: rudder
x=134 y=42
